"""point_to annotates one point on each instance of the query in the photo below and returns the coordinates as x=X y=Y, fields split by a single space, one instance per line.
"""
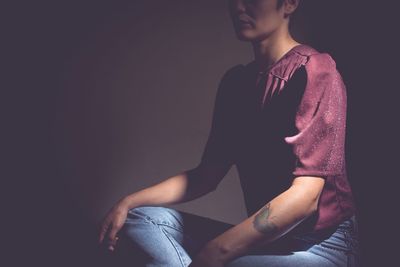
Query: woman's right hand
x=112 y=223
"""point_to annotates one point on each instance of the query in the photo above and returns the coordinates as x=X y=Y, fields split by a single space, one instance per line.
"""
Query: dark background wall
x=108 y=97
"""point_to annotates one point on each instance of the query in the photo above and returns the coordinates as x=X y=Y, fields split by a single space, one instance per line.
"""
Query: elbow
x=313 y=207
x=211 y=186
x=210 y=175
x=309 y=190
x=307 y=209
x=199 y=181
x=309 y=205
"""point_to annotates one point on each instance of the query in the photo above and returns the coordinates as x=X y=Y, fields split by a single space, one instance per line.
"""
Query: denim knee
x=157 y=215
x=146 y=238
x=147 y=212
x=141 y=219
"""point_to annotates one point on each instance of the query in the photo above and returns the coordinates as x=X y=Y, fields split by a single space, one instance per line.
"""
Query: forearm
x=176 y=189
x=269 y=223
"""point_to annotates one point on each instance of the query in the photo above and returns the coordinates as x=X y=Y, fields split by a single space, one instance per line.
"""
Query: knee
x=139 y=220
x=154 y=214
x=147 y=218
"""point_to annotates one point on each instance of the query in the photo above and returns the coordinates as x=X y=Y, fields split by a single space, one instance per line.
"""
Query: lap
x=337 y=247
x=307 y=250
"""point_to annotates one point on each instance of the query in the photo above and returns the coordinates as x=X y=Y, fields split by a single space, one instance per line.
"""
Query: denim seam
x=149 y=219
x=175 y=246
x=143 y=216
x=329 y=247
x=350 y=242
x=170 y=226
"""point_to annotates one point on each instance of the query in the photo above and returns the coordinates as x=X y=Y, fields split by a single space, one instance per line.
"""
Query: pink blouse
x=288 y=121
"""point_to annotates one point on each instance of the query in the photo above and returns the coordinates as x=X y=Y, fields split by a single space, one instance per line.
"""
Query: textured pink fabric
x=286 y=122
x=319 y=145
x=321 y=121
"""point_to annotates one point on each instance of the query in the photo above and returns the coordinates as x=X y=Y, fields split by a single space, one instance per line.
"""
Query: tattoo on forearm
x=262 y=222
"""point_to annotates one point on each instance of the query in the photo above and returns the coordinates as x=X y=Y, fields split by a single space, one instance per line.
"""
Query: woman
x=281 y=120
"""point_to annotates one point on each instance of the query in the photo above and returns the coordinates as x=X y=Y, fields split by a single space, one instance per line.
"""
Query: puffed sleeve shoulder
x=319 y=141
x=219 y=148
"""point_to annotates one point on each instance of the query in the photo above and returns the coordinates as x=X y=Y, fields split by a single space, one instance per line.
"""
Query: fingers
x=110 y=227
x=113 y=243
x=113 y=238
x=103 y=231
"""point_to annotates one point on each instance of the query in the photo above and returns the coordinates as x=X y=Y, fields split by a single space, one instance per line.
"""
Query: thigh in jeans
x=337 y=248
x=164 y=231
x=343 y=243
x=340 y=246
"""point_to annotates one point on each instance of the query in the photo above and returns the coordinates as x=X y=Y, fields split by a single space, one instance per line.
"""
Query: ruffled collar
x=296 y=55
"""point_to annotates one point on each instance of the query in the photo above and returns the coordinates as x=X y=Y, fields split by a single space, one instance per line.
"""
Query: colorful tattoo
x=262 y=222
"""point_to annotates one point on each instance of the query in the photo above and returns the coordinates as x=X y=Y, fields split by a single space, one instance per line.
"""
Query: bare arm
x=272 y=221
x=186 y=186
x=183 y=187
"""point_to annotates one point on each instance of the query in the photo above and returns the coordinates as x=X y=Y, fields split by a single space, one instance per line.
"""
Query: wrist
x=128 y=202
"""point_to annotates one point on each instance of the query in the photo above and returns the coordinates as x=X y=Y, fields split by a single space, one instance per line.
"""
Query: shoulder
x=229 y=82
x=318 y=67
x=302 y=56
x=231 y=78
x=321 y=63
x=234 y=71
x=318 y=63
x=322 y=73
x=323 y=79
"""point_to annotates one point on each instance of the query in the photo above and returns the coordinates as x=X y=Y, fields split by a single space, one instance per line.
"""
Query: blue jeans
x=161 y=236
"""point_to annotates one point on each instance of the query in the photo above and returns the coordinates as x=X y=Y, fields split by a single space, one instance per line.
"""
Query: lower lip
x=244 y=22
x=245 y=25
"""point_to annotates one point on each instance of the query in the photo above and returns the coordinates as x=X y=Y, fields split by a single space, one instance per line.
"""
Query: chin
x=246 y=36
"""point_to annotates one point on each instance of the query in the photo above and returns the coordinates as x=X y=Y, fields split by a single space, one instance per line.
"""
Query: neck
x=271 y=49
